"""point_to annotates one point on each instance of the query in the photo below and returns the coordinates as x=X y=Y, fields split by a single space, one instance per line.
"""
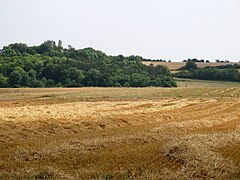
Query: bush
x=191 y=65
x=36 y=84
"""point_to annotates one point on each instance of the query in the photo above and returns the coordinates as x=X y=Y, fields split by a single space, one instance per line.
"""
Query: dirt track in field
x=68 y=136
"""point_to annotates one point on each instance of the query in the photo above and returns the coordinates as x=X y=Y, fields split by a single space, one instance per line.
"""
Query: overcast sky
x=167 y=29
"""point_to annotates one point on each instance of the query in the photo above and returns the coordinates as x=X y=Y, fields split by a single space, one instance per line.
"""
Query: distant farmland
x=177 y=65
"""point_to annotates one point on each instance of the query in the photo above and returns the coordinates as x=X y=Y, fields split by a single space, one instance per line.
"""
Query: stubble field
x=120 y=133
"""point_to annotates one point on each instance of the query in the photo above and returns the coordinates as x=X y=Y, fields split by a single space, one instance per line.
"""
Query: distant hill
x=51 y=65
x=176 y=65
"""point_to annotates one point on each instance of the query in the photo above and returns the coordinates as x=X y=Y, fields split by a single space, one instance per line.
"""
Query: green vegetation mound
x=49 y=65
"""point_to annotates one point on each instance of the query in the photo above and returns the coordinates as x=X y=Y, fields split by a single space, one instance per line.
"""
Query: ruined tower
x=60 y=44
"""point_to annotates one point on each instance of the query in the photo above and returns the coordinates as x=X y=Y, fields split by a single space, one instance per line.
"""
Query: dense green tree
x=25 y=80
x=15 y=78
x=50 y=83
x=93 y=77
x=75 y=74
x=36 y=83
x=48 y=65
x=32 y=74
x=3 y=81
x=191 y=65
x=44 y=81
x=126 y=84
x=211 y=74
x=139 y=80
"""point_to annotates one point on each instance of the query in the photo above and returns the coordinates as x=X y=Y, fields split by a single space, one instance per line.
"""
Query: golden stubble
x=69 y=136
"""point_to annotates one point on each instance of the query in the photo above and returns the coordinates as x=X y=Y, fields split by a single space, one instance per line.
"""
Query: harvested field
x=120 y=133
x=176 y=65
x=194 y=83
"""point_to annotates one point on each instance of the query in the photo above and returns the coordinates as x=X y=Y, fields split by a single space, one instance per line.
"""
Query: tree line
x=51 y=65
x=229 y=72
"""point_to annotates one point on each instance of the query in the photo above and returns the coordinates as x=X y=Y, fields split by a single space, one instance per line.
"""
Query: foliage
x=49 y=65
x=228 y=66
x=3 y=81
x=191 y=65
x=227 y=72
x=211 y=74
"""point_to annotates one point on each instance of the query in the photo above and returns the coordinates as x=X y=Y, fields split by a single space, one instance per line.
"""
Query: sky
x=157 y=29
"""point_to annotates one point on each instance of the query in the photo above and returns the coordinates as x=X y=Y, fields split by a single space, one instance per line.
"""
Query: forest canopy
x=51 y=65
